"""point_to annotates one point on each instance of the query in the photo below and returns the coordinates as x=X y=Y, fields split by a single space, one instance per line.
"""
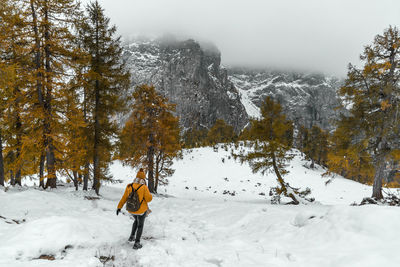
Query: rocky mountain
x=190 y=76
x=308 y=99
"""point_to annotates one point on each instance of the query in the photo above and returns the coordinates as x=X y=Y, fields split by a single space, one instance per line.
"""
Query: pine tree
x=77 y=131
x=81 y=84
x=374 y=95
x=106 y=85
x=270 y=147
x=150 y=137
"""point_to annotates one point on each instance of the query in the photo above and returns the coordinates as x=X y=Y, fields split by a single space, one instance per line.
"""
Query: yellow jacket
x=143 y=194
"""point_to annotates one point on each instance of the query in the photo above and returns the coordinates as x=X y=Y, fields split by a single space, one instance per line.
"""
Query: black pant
x=138 y=225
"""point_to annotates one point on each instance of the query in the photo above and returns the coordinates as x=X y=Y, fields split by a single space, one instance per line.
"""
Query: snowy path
x=196 y=224
x=244 y=234
x=186 y=232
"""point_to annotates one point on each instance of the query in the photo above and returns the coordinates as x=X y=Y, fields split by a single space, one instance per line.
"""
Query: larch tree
x=16 y=102
x=15 y=51
x=38 y=72
x=168 y=147
x=347 y=158
x=270 y=147
x=374 y=96
x=6 y=74
x=74 y=133
x=107 y=81
x=53 y=23
x=220 y=132
x=150 y=137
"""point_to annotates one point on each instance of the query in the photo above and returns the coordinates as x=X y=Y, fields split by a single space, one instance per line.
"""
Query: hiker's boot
x=131 y=239
x=137 y=245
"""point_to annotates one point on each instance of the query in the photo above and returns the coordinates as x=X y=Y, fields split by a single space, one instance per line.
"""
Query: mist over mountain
x=190 y=74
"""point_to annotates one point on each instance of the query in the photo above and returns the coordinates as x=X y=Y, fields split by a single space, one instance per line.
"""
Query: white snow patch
x=200 y=225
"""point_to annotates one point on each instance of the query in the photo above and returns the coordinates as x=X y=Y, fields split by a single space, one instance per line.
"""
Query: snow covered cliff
x=190 y=76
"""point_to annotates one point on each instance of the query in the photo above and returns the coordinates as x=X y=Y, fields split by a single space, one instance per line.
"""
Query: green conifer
x=107 y=81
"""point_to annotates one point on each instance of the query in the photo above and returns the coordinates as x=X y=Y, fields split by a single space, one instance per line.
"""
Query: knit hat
x=141 y=174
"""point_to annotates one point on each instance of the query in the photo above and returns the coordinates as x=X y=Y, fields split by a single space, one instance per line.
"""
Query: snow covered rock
x=305 y=98
x=189 y=75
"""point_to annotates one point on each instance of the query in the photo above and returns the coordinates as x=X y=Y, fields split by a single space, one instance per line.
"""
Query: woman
x=139 y=184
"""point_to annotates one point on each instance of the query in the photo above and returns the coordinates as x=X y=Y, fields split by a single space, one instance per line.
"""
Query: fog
x=312 y=35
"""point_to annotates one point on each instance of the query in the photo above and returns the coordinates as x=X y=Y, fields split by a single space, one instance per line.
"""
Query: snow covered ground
x=214 y=212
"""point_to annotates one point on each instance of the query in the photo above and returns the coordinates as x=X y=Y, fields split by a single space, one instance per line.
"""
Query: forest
x=64 y=87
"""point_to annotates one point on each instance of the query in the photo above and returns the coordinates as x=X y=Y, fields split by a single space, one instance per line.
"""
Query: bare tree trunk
x=282 y=182
x=18 y=178
x=18 y=126
x=96 y=171
x=150 y=164
x=86 y=177
x=96 y=141
x=1 y=162
x=41 y=170
x=96 y=160
x=86 y=165
x=158 y=170
x=377 y=187
x=39 y=87
x=156 y=183
x=50 y=162
x=12 y=179
x=75 y=175
x=50 y=165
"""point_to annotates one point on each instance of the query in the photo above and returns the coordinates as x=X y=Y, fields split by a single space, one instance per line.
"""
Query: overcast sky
x=316 y=35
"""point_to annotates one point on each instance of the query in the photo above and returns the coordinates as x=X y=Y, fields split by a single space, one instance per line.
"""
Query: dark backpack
x=133 y=204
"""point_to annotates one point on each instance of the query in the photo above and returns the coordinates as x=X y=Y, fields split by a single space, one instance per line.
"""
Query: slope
x=210 y=214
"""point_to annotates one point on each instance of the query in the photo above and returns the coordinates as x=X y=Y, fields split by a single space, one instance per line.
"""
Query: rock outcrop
x=307 y=99
x=189 y=75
